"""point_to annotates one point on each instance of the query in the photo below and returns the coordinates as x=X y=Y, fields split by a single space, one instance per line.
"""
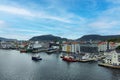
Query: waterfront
x=19 y=66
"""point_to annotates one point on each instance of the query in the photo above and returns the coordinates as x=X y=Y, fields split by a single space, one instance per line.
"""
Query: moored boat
x=36 y=58
x=23 y=51
x=51 y=51
x=69 y=59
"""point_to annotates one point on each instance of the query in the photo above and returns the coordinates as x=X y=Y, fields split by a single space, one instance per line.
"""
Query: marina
x=59 y=40
x=18 y=66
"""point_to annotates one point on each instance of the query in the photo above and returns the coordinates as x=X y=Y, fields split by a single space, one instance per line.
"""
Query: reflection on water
x=19 y=66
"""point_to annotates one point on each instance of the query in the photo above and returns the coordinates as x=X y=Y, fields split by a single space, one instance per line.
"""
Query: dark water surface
x=19 y=66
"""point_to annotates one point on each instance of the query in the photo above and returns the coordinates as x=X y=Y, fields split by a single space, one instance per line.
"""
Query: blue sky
x=23 y=19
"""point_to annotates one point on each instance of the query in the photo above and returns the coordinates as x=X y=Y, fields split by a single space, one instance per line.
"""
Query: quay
x=87 y=60
x=109 y=65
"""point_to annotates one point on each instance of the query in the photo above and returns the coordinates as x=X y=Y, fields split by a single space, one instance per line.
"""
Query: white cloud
x=16 y=36
x=114 y=1
x=107 y=19
x=25 y=12
x=101 y=24
x=63 y=16
x=15 y=10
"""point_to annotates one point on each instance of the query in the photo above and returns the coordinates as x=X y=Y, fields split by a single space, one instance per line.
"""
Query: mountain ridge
x=98 y=37
x=47 y=38
x=6 y=39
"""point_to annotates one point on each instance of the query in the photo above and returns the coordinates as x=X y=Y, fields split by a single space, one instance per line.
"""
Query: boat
x=23 y=51
x=36 y=58
x=69 y=59
x=61 y=56
x=51 y=51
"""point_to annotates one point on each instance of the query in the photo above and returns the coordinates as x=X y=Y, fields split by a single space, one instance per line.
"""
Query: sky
x=23 y=19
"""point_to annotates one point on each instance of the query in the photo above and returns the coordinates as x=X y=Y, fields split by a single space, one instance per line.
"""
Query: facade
x=22 y=44
x=112 y=58
x=38 y=44
x=113 y=45
x=8 y=44
x=89 y=47
x=72 y=47
x=102 y=46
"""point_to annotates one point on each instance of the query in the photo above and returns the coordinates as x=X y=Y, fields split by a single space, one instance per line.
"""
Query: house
x=102 y=46
x=8 y=45
x=112 y=58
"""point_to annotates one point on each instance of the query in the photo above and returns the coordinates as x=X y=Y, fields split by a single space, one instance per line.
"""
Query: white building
x=112 y=58
x=73 y=47
x=38 y=44
x=7 y=44
x=102 y=46
x=64 y=47
x=114 y=45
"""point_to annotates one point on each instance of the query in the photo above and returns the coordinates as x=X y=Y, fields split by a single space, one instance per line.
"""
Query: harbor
x=59 y=40
x=19 y=66
x=71 y=51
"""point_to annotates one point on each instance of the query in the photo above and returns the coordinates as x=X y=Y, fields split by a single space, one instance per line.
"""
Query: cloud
x=15 y=10
x=38 y=14
x=107 y=19
x=102 y=24
x=114 y=1
x=16 y=36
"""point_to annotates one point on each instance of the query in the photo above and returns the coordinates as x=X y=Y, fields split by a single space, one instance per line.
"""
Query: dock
x=109 y=65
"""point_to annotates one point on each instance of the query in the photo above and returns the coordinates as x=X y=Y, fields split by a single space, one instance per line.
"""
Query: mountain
x=98 y=37
x=47 y=38
x=6 y=39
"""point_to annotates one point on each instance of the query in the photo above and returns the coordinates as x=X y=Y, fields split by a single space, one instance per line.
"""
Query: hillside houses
x=8 y=44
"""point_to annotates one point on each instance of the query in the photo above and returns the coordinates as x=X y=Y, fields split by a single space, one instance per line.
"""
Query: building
x=112 y=58
x=8 y=45
x=38 y=44
x=102 y=46
x=89 y=47
x=72 y=47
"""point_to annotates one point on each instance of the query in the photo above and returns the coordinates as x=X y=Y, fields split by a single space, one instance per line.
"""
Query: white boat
x=36 y=57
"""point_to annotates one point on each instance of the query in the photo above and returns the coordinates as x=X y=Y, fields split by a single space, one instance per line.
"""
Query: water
x=19 y=66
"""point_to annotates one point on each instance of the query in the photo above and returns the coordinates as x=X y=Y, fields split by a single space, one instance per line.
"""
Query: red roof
x=101 y=43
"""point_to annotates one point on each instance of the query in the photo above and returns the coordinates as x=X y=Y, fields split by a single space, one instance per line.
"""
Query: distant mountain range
x=47 y=38
x=57 y=38
x=6 y=39
x=98 y=37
